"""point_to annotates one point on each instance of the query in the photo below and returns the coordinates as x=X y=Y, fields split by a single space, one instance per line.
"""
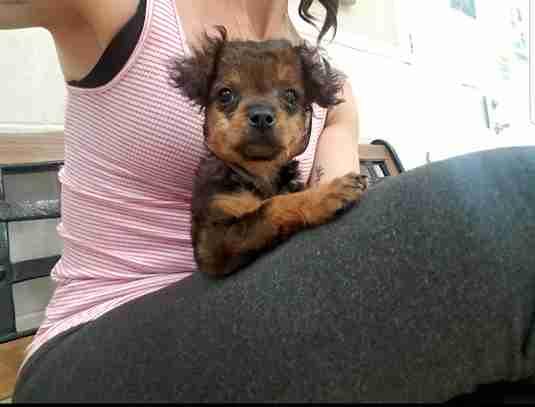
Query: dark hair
x=331 y=18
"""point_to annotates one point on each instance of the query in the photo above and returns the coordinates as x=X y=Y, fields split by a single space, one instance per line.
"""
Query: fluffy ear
x=323 y=84
x=194 y=75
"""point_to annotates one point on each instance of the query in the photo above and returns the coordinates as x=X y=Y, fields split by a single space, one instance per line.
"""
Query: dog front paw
x=315 y=206
x=342 y=193
x=348 y=189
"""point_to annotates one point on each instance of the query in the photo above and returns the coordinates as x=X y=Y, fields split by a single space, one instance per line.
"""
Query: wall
x=422 y=86
x=32 y=92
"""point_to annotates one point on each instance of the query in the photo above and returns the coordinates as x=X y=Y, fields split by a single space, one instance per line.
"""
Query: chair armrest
x=378 y=160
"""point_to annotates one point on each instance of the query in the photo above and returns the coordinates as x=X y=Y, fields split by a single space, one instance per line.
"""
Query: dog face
x=256 y=97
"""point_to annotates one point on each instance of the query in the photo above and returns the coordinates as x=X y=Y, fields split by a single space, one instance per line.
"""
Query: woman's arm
x=337 y=152
x=81 y=29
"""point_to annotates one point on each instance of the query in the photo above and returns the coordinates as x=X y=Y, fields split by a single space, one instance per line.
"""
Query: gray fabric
x=421 y=293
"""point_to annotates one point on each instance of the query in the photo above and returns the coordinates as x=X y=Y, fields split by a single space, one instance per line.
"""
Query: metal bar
x=7 y=310
x=23 y=211
x=35 y=268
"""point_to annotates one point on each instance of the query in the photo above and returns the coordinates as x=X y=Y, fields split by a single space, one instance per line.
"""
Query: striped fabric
x=131 y=149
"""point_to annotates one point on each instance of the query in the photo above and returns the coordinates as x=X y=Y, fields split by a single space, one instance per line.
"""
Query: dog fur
x=256 y=97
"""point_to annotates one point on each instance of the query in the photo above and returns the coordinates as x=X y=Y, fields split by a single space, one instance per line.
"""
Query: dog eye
x=291 y=96
x=225 y=96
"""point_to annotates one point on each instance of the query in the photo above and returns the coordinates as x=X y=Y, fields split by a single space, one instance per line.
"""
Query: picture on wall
x=467 y=7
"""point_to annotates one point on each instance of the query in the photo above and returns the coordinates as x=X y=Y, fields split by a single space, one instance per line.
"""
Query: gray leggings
x=423 y=292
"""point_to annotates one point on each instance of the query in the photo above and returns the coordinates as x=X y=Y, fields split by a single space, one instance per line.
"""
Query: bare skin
x=82 y=29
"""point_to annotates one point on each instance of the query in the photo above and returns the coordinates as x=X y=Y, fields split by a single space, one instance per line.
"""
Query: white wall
x=430 y=100
x=32 y=91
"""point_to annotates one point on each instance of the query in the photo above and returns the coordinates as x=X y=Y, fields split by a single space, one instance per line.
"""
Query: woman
x=422 y=293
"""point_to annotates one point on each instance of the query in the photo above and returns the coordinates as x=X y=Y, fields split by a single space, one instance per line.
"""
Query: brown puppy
x=257 y=98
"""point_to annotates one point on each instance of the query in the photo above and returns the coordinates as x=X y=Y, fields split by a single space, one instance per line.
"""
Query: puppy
x=257 y=99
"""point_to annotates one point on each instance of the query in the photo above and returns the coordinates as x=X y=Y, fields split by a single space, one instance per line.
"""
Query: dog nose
x=261 y=117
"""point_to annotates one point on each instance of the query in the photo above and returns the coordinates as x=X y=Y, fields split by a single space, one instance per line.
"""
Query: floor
x=11 y=355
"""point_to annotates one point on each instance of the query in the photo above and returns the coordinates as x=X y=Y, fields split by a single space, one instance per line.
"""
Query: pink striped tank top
x=131 y=150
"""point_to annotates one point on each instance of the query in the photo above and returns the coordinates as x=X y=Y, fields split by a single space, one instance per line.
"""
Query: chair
x=29 y=213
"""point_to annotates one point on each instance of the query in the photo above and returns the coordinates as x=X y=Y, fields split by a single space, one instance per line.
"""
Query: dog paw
x=353 y=181
x=343 y=192
x=317 y=205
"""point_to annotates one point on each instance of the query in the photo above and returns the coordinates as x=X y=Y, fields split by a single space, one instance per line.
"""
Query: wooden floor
x=11 y=355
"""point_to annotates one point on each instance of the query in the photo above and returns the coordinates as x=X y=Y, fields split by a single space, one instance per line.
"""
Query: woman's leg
x=423 y=292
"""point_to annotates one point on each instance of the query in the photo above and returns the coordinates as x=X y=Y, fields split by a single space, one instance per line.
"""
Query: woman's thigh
x=421 y=293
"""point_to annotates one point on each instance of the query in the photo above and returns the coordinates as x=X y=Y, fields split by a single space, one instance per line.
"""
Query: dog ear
x=323 y=83
x=193 y=75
